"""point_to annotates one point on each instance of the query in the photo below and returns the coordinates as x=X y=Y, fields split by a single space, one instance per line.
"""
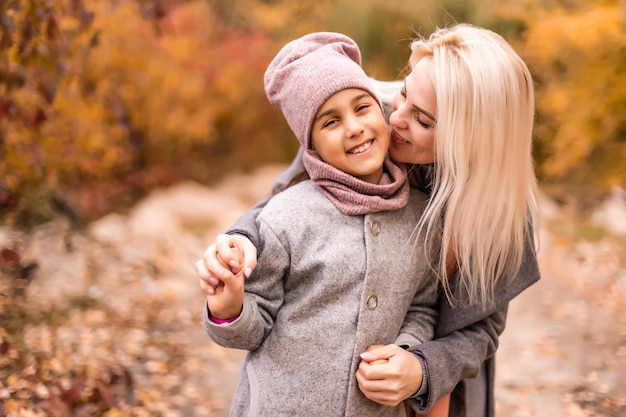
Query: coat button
x=372 y=302
x=375 y=228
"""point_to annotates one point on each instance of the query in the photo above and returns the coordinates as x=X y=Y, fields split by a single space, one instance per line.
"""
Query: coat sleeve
x=246 y=223
x=457 y=356
x=264 y=295
x=421 y=317
x=467 y=335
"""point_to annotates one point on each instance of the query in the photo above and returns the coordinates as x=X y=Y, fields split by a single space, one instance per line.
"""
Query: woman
x=464 y=117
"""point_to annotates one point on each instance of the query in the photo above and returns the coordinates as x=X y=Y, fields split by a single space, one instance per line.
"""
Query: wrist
x=223 y=313
x=423 y=387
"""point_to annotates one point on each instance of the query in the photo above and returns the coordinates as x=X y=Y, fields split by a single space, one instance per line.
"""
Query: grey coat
x=461 y=358
x=327 y=286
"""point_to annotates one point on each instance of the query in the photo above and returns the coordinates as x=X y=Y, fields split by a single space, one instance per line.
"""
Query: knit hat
x=307 y=72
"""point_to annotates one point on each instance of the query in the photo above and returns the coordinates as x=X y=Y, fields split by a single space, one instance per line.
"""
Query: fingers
x=379 y=352
x=389 y=375
x=378 y=390
x=233 y=259
x=249 y=255
x=228 y=252
x=209 y=288
x=223 y=260
x=210 y=271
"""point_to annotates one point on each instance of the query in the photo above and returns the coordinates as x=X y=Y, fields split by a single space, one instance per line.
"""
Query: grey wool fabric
x=327 y=286
x=466 y=338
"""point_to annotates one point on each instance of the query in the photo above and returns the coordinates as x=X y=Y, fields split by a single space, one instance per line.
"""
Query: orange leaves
x=95 y=93
x=577 y=57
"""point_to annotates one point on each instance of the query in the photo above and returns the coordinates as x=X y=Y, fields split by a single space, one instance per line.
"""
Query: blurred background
x=133 y=131
x=101 y=101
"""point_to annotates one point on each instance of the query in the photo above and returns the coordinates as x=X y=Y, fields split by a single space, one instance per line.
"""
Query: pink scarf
x=353 y=196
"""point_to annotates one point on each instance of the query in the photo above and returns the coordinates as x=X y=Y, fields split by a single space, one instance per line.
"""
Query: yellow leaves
x=13 y=380
x=577 y=58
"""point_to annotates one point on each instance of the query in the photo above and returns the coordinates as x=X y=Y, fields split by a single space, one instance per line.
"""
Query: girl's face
x=350 y=133
x=414 y=117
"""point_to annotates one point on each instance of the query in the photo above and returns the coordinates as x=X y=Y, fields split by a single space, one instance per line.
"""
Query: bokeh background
x=133 y=131
x=100 y=101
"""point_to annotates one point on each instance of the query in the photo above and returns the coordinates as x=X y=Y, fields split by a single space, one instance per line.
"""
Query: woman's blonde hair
x=484 y=185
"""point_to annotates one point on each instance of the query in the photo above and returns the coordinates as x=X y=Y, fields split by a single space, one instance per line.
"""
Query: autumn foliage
x=578 y=58
x=101 y=101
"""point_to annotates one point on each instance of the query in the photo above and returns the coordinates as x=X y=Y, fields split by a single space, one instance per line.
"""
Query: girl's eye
x=329 y=122
x=362 y=107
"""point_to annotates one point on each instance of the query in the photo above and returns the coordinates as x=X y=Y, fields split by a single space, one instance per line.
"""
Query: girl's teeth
x=361 y=148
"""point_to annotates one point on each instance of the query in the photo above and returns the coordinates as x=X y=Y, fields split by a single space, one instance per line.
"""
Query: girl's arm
x=264 y=294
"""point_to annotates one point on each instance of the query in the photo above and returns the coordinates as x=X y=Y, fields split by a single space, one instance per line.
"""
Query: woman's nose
x=396 y=117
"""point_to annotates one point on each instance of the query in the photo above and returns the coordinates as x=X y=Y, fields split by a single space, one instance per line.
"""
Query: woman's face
x=414 y=117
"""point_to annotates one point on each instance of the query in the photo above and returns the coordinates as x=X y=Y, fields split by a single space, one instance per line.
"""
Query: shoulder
x=296 y=194
x=298 y=201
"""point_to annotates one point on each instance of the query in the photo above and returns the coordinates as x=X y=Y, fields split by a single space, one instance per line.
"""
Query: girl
x=326 y=286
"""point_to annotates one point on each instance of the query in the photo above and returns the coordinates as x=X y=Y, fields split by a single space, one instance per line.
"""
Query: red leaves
x=4 y=347
x=9 y=260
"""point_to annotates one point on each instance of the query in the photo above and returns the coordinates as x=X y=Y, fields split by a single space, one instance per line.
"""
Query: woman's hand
x=221 y=262
x=389 y=374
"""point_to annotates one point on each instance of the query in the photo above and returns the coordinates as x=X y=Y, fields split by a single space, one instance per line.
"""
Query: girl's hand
x=389 y=374
x=219 y=262
x=227 y=300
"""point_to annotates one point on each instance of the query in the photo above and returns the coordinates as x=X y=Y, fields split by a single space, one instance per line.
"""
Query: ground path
x=563 y=352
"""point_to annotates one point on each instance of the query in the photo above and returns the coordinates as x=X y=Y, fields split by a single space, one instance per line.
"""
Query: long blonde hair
x=484 y=185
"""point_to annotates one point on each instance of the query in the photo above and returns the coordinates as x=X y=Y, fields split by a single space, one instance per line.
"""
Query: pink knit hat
x=307 y=71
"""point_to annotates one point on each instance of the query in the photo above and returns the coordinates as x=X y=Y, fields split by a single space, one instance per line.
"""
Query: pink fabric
x=221 y=321
x=353 y=196
x=307 y=71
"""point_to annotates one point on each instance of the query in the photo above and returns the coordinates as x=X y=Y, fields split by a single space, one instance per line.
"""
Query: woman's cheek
x=397 y=153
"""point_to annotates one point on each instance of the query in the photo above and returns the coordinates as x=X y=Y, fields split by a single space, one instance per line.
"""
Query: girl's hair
x=484 y=185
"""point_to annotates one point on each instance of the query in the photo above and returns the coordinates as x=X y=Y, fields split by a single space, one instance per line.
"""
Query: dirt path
x=563 y=352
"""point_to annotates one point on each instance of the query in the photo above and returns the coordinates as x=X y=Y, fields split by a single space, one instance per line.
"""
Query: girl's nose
x=354 y=127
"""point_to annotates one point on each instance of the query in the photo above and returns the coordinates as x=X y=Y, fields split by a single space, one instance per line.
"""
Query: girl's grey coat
x=461 y=358
x=327 y=286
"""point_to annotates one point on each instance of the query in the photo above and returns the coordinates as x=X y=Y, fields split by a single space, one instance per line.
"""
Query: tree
x=578 y=58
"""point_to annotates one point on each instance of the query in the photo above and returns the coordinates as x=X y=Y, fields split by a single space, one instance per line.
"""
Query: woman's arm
x=246 y=224
x=390 y=374
x=216 y=265
x=456 y=356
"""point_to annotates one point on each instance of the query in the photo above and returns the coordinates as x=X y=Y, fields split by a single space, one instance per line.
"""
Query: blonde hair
x=484 y=185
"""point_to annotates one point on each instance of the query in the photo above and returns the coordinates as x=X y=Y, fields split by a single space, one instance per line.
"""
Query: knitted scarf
x=353 y=196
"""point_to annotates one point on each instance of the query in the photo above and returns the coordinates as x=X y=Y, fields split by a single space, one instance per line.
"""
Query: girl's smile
x=361 y=148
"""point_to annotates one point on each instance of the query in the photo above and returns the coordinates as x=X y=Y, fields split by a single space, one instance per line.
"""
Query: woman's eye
x=420 y=122
x=403 y=92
